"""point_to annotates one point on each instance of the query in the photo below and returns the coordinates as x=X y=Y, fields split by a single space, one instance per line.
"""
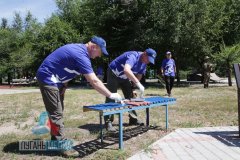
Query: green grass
x=195 y=107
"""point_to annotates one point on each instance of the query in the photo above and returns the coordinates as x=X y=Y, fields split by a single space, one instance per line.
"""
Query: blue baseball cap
x=151 y=55
x=101 y=43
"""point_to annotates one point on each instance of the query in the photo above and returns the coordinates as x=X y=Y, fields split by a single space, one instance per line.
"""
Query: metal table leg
x=166 y=116
x=101 y=127
x=147 y=117
x=120 y=131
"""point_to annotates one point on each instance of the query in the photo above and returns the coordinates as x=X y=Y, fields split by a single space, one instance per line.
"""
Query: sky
x=40 y=9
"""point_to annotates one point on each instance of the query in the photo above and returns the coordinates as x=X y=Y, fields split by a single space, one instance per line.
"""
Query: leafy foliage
x=189 y=29
x=53 y=35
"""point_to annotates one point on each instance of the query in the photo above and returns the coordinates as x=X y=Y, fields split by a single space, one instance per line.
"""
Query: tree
x=22 y=57
x=17 y=22
x=4 y=23
x=7 y=46
x=231 y=26
x=190 y=29
x=227 y=57
x=112 y=20
x=54 y=34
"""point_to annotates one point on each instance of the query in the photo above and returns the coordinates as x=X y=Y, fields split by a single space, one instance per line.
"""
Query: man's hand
x=63 y=90
x=115 y=96
x=141 y=88
x=134 y=94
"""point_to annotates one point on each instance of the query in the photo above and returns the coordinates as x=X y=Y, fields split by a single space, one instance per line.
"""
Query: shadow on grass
x=154 y=95
x=176 y=84
x=92 y=128
x=229 y=138
x=88 y=147
x=14 y=148
x=109 y=138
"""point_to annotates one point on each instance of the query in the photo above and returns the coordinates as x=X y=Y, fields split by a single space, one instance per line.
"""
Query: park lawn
x=195 y=107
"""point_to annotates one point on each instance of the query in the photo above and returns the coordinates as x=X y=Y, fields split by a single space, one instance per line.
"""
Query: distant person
x=99 y=73
x=58 y=69
x=207 y=69
x=128 y=67
x=168 y=70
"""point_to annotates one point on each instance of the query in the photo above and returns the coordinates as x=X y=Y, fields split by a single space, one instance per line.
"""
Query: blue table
x=116 y=108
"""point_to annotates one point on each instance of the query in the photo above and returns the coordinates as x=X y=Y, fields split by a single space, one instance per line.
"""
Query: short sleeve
x=131 y=60
x=84 y=65
x=174 y=63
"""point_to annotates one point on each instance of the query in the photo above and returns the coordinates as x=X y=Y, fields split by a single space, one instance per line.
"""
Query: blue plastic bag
x=43 y=126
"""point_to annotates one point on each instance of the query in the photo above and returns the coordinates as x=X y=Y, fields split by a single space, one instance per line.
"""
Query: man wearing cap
x=128 y=67
x=207 y=67
x=168 y=70
x=58 y=69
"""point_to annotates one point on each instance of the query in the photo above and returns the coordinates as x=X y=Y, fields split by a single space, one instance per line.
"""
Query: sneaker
x=166 y=95
x=72 y=153
x=132 y=115
x=135 y=122
x=109 y=127
x=63 y=147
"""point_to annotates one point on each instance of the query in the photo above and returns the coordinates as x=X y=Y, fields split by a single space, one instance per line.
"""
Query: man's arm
x=139 y=76
x=97 y=84
x=162 y=71
x=133 y=78
x=64 y=88
x=128 y=72
x=175 y=68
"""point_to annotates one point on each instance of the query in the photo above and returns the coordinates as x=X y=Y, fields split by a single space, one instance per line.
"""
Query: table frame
x=131 y=108
x=110 y=109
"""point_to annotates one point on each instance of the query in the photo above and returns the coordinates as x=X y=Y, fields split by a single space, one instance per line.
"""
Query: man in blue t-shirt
x=128 y=67
x=59 y=68
x=168 y=70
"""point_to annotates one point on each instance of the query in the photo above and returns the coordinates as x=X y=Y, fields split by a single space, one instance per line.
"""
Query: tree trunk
x=229 y=75
x=177 y=74
x=178 y=77
x=9 y=78
x=0 y=79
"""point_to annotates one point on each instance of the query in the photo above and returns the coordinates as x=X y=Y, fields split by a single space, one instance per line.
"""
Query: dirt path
x=13 y=91
x=20 y=128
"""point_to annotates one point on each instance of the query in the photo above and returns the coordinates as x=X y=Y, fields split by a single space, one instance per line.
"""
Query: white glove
x=115 y=96
x=141 y=88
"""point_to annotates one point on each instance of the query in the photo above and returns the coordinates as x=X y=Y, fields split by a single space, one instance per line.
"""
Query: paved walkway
x=208 y=143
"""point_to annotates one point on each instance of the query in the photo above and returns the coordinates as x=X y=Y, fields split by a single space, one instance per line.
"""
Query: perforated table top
x=110 y=106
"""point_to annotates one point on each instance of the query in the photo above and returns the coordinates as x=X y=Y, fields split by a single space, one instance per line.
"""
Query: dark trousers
x=206 y=79
x=113 y=82
x=169 y=80
x=53 y=102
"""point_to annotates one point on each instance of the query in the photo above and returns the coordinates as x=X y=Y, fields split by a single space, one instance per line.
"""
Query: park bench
x=118 y=108
x=237 y=76
x=21 y=81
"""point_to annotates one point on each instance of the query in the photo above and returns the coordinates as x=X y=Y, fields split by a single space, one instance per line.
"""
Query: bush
x=183 y=74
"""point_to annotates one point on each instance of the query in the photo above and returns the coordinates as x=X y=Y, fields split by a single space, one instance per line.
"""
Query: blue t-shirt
x=64 y=64
x=99 y=71
x=169 y=67
x=133 y=59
